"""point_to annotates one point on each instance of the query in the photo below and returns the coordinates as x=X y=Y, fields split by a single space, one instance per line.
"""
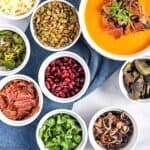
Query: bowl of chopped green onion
x=14 y=50
x=61 y=129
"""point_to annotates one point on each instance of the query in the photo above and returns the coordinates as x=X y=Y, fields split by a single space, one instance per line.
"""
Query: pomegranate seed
x=64 y=77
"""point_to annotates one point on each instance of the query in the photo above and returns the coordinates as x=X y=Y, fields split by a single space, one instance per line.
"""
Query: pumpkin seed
x=56 y=24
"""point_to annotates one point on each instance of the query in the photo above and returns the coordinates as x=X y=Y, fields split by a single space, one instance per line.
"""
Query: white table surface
x=107 y=95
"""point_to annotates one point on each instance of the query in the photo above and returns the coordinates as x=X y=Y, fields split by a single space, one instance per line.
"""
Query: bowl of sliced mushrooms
x=113 y=128
x=134 y=79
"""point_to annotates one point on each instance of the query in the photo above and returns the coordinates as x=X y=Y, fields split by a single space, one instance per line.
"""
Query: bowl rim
x=122 y=86
x=68 y=112
x=33 y=32
x=29 y=120
x=132 y=143
x=97 y=48
x=20 y=17
x=41 y=76
x=27 y=54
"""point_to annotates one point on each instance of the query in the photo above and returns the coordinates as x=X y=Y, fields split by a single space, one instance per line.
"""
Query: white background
x=108 y=95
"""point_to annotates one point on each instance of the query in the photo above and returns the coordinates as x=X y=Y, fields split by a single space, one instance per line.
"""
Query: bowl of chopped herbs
x=61 y=130
x=14 y=50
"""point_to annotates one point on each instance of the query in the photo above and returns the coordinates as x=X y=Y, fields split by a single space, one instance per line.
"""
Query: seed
x=62 y=81
x=56 y=24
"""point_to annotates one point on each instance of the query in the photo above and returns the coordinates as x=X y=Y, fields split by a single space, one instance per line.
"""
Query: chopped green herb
x=121 y=14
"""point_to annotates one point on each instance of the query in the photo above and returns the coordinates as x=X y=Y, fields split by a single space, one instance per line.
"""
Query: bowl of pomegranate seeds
x=112 y=129
x=21 y=100
x=64 y=77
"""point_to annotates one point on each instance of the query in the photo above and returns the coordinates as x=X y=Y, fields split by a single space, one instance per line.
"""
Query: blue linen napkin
x=23 y=138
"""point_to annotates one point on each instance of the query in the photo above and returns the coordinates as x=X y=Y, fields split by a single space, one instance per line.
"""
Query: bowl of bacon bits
x=21 y=100
x=64 y=77
x=113 y=129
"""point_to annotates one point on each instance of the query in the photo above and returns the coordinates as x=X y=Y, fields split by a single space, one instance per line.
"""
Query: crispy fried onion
x=111 y=128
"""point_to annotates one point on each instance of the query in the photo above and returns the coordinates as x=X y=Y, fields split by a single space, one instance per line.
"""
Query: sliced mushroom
x=142 y=67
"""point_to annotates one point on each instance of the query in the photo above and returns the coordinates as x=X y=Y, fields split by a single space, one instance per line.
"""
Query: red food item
x=116 y=32
x=108 y=2
x=64 y=77
x=19 y=100
x=139 y=26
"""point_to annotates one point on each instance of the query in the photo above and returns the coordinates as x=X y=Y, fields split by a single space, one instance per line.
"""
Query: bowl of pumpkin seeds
x=55 y=25
x=14 y=50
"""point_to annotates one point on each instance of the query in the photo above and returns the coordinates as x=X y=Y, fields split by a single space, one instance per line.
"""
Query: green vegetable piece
x=121 y=14
x=52 y=146
x=41 y=132
x=50 y=122
x=6 y=33
x=65 y=145
x=17 y=39
x=61 y=132
x=115 y=7
x=12 y=49
x=73 y=145
x=60 y=120
x=77 y=138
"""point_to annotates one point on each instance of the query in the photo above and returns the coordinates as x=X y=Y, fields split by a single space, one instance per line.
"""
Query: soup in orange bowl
x=118 y=29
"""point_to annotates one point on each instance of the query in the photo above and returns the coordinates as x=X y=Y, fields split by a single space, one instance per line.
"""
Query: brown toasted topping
x=113 y=130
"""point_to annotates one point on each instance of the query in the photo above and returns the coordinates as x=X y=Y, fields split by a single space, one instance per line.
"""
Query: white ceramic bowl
x=71 y=113
x=133 y=139
x=29 y=120
x=122 y=86
x=34 y=32
x=4 y=72
x=41 y=77
x=20 y=17
x=95 y=46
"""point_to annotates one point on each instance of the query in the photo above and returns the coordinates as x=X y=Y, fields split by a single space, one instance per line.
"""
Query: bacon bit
x=108 y=2
x=139 y=26
x=120 y=17
x=128 y=29
x=2 y=102
x=112 y=30
x=11 y=114
x=18 y=100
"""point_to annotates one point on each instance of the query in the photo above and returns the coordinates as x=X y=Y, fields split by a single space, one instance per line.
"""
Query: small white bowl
x=29 y=120
x=5 y=72
x=20 y=17
x=63 y=111
x=133 y=140
x=122 y=86
x=33 y=32
x=96 y=47
x=41 y=77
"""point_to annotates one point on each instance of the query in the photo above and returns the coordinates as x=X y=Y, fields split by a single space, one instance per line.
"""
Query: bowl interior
x=49 y=48
x=68 y=112
x=5 y=72
x=41 y=77
x=133 y=139
x=96 y=47
x=24 y=122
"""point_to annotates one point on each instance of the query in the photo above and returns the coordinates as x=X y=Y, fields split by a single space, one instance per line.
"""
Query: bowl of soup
x=119 y=30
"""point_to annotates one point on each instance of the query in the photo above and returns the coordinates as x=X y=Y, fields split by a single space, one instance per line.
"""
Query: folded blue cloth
x=23 y=138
